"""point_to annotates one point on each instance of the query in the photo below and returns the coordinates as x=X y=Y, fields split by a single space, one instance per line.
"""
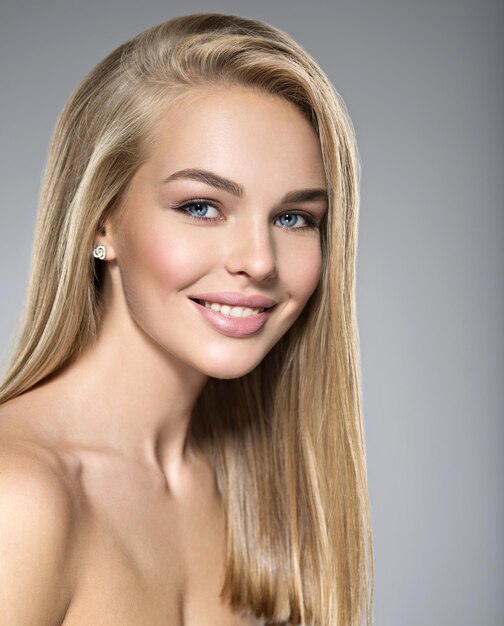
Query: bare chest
x=143 y=559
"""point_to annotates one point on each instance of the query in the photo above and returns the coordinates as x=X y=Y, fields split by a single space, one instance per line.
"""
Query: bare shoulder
x=36 y=535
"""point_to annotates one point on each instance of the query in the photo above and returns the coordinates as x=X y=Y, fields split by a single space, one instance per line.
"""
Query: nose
x=251 y=251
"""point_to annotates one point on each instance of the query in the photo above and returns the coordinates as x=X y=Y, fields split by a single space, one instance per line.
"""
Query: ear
x=104 y=236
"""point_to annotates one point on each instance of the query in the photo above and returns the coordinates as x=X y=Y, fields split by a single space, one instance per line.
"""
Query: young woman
x=180 y=424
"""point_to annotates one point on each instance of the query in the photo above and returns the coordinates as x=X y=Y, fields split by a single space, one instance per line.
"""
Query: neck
x=126 y=395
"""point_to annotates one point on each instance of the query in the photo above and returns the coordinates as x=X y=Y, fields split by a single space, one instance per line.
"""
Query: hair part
x=286 y=440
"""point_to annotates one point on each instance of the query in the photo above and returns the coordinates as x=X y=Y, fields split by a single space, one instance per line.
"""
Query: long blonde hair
x=286 y=440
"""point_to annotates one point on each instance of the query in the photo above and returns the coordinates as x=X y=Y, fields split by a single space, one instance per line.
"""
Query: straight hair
x=286 y=440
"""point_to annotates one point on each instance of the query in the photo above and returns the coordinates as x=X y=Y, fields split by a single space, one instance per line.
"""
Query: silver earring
x=100 y=251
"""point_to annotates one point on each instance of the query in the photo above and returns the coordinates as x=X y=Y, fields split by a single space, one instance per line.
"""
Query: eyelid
x=186 y=203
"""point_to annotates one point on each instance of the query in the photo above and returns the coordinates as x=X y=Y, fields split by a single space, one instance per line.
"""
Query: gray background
x=423 y=84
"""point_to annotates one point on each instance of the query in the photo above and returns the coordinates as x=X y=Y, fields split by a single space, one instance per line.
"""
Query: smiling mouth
x=231 y=310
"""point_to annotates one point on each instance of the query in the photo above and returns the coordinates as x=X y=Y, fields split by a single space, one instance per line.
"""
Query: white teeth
x=235 y=311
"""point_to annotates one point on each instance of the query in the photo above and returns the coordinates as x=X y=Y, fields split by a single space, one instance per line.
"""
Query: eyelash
x=311 y=223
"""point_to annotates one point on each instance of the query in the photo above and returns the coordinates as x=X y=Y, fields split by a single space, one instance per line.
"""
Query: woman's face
x=208 y=218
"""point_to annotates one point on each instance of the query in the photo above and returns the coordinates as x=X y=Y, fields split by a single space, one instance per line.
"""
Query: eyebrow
x=219 y=182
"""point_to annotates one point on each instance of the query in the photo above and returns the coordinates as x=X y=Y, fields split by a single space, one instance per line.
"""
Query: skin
x=100 y=486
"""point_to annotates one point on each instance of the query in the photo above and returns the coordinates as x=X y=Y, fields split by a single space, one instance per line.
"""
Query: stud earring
x=100 y=251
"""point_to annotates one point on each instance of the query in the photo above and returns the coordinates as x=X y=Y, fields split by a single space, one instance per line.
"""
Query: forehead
x=243 y=134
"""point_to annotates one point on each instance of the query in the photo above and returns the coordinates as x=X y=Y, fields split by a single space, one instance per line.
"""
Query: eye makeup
x=310 y=221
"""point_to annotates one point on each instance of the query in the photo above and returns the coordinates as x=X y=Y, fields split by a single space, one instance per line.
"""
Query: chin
x=228 y=373
x=227 y=370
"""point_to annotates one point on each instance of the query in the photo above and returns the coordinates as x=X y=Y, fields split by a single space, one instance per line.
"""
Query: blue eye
x=199 y=209
x=296 y=221
x=291 y=219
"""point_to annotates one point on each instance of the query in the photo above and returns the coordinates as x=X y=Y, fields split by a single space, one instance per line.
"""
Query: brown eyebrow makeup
x=219 y=182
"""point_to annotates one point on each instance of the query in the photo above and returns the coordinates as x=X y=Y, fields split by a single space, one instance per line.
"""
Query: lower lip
x=234 y=326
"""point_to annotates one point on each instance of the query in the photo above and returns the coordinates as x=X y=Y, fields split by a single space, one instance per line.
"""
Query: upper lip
x=236 y=299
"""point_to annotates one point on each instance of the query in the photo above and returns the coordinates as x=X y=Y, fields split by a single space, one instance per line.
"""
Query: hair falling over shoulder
x=286 y=440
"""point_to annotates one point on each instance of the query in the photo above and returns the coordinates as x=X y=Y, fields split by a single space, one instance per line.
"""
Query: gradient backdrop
x=424 y=86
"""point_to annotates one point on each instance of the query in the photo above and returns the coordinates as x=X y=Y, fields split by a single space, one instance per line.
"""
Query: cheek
x=302 y=267
x=166 y=259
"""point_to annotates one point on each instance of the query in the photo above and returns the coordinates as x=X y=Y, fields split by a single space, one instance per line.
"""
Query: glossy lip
x=236 y=299
x=233 y=326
